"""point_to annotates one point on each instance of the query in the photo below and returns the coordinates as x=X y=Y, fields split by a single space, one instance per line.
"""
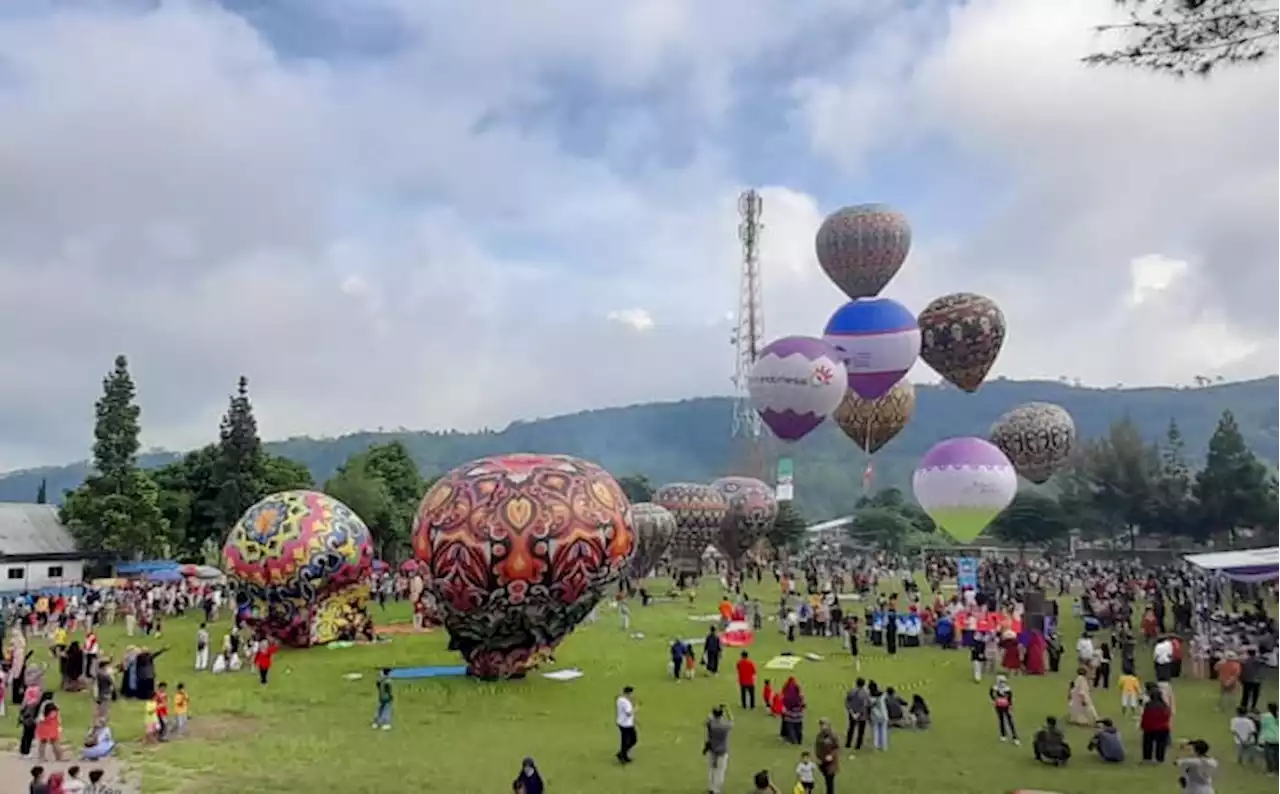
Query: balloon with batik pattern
x=699 y=510
x=1037 y=437
x=873 y=423
x=751 y=511
x=654 y=527
x=862 y=248
x=961 y=336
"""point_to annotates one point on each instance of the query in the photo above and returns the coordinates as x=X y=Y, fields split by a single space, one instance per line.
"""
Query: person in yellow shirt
x=60 y=639
x=151 y=722
x=181 y=706
x=1130 y=693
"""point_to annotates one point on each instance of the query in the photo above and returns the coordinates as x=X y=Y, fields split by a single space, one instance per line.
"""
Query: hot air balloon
x=961 y=335
x=518 y=549
x=862 y=248
x=654 y=527
x=795 y=383
x=964 y=483
x=301 y=562
x=878 y=339
x=1037 y=437
x=873 y=423
x=699 y=511
x=752 y=509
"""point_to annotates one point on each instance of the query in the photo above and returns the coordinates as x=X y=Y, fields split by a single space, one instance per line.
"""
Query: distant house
x=36 y=550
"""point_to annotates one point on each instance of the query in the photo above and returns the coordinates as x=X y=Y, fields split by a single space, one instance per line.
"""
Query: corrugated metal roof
x=28 y=529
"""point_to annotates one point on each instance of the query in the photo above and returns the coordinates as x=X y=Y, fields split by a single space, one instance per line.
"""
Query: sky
x=429 y=214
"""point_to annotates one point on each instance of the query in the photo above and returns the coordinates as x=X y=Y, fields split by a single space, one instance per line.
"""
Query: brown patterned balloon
x=862 y=248
x=1037 y=437
x=873 y=423
x=960 y=337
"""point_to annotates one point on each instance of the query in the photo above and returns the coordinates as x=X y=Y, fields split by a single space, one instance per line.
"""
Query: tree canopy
x=1190 y=37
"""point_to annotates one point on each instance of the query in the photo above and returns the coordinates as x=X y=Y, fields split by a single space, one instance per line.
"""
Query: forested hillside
x=690 y=440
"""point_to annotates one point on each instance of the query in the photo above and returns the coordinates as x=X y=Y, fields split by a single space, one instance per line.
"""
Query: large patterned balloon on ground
x=752 y=509
x=862 y=248
x=878 y=340
x=963 y=484
x=961 y=336
x=1037 y=438
x=796 y=383
x=699 y=511
x=301 y=561
x=519 y=549
x=654 y=527
x=873 y=423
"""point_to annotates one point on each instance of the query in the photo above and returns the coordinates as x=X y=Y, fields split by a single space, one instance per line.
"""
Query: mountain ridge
x=691 y=439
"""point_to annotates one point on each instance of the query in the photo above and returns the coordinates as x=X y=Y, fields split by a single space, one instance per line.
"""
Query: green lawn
x=310 y=728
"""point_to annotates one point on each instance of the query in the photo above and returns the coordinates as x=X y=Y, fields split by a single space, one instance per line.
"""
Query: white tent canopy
x=1251 y=565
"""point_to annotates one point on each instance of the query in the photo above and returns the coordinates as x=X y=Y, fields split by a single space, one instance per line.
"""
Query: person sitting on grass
x=920 y=713
x=897 y=709
x=1106 y=743
x=1050 y=746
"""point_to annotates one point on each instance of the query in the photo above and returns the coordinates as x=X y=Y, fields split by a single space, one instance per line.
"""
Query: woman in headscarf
x=1082 y=711
x=99 y=742
x=71 y=666
x=129 y=673
x=1034 y=662
x=792 y=712
x=528 y=781
x=826 y=749
x=145 y=668
x=1012 y=652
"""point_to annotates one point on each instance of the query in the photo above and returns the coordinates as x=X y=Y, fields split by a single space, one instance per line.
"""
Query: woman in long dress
x=1082 y=711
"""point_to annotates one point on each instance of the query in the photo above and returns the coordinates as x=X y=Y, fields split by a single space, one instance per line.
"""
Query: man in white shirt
x=626 y=720
x=1084 y=650
x=1163 y=657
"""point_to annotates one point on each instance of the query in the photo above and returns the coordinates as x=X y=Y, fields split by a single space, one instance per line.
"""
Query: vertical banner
x=785 y=488
x=967 y=573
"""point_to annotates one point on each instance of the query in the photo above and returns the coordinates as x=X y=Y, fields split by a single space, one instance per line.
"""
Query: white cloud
x=409 y=241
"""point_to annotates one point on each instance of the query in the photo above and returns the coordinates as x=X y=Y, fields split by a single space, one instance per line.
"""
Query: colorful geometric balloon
x=878 y=340
x=873 y=423
x=519 y=549
x=861 y=248
x=963 y=484
x=654 y=527
x=699 y=510
x=1037 y=438
x=751 y=513
x=796 y=383
x=301 y=562
x=961 y=336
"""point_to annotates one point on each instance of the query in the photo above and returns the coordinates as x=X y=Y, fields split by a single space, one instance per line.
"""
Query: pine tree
x=115 y=510
x=1234 y=487
x=42 y=493
x=240 y=471
x=1173 y=502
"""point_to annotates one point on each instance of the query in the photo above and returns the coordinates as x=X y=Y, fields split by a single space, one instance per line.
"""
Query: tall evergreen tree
x=240 y=472
x=1234 y=488
x=115 y=510
x=1173 y=499
x=42 y=493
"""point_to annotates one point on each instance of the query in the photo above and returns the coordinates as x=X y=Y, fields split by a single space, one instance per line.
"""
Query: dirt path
x=15 y=772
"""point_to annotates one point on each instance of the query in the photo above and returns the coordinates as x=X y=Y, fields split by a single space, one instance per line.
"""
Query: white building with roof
x=36 y=550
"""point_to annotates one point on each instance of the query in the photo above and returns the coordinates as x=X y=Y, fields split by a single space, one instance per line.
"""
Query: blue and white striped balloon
x=878 y=339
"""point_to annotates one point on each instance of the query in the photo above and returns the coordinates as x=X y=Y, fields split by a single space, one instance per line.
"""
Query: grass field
x=310 y=729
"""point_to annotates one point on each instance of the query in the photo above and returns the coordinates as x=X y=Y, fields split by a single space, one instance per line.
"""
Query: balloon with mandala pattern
x=301 y=563
x=517 y=550
x=862 y=248
x=960 y=337
x=1037 y=437
x=752 y=509
x=699 y=511
x=654 y=527
x=873 y=423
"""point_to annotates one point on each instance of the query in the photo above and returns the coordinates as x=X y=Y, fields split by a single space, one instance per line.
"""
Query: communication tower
x=747 y=339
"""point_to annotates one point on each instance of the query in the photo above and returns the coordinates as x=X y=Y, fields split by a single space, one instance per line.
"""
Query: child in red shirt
x=767 y=696
x=162 y=709
x=262 y=659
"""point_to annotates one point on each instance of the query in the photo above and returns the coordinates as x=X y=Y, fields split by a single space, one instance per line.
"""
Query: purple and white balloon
x=963 y=484
x=796 y=382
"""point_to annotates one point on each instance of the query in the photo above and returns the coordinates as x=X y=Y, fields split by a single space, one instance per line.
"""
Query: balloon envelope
x=796 y=383
x=961 y=336
x=964 y=483
x=699 y=510
x=517 y=550
x=654 y=527
x=1037 y=437
x=862 y=248
x=873 y=423
x=878 y=340
x=752 y=509
x=301 y=562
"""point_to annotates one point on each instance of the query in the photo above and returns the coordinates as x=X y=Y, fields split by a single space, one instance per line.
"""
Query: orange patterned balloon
x=517 y=550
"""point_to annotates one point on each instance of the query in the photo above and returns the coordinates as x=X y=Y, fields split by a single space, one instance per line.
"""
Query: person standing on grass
x=978 y=657
x=529 y=780
x=181 y=708
x=857 y=704
x=202 y=647
x=1157 y=721
x=625 y=717
x=1252 y=672
x=711 y=651
x=747 y=681
x=716 y=748
x=1269 y=738
x=382 y=717
x=826 y=748
x=263 y=657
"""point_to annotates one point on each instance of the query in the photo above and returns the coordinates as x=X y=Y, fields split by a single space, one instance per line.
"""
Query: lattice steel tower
x=748 y=336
